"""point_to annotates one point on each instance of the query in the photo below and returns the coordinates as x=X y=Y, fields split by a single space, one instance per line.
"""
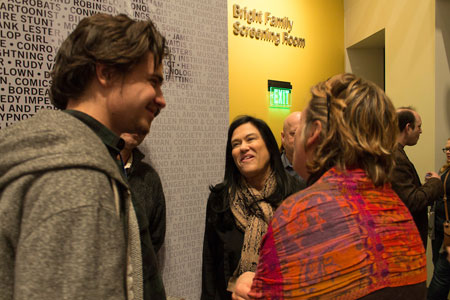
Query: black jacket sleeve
x=209 y=264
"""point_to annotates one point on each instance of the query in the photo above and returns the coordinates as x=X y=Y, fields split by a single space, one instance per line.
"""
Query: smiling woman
x=241 y=206
x=250 y=155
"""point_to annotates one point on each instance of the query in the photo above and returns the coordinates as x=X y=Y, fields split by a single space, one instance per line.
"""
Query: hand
x=432 y=175
x=243 y=286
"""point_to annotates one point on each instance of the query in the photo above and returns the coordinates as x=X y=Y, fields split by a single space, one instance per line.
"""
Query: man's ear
x=408 y=127
x=103 y=74
x=282 y=136
x=313 y=134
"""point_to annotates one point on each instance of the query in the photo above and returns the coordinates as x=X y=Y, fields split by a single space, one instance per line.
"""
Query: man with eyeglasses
x=405 y=180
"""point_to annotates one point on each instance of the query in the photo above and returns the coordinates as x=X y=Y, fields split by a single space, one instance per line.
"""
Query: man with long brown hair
x=68 y=229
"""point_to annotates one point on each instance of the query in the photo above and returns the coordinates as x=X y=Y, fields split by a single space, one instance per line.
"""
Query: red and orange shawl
x=342 y=238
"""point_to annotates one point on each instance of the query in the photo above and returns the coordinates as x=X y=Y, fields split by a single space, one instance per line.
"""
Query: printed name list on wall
x=253 y=16
x=187 y=140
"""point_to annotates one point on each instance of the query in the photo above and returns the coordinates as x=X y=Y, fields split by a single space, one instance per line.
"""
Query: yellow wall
x=409 y=59
x=253 y=62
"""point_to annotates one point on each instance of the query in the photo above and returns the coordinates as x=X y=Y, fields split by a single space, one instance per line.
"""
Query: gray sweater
x=61 y=231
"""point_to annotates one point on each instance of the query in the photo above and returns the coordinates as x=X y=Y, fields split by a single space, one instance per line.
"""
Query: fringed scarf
x=252 y=215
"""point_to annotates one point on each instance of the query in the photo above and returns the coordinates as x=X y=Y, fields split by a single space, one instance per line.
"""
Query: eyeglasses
x=445 y=149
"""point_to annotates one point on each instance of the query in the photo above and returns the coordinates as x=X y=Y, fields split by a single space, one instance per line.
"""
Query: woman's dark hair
x=286 y=184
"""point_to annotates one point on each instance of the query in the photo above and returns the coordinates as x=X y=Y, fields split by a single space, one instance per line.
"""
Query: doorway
x=367 y=58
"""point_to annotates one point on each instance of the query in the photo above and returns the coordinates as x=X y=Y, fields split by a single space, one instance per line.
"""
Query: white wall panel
x=187 y=140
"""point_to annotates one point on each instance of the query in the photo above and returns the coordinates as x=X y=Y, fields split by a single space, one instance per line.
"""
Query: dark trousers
x=436 y=246
x=440 y=284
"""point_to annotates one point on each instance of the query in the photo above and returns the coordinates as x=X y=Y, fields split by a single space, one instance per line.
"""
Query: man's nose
x=160 y=100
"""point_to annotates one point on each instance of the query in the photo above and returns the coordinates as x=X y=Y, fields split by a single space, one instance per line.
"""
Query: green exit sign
x=279 y=94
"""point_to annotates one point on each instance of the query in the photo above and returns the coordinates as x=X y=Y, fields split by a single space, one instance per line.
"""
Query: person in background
x=348 y=235
x=405 y=181
x=240 y=207
x=150 y=206
x=68 y=229
x=290 y=125
x=440 y=284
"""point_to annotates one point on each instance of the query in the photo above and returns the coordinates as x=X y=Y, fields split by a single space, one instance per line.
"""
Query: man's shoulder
x=144 y=169
x=399 y=152
x=401 y=159
x=43 y=196
x=78 y=187
x=41 y=118
x=51 y=140
x=46 y=124
x=49 y=132
x=284 y=160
